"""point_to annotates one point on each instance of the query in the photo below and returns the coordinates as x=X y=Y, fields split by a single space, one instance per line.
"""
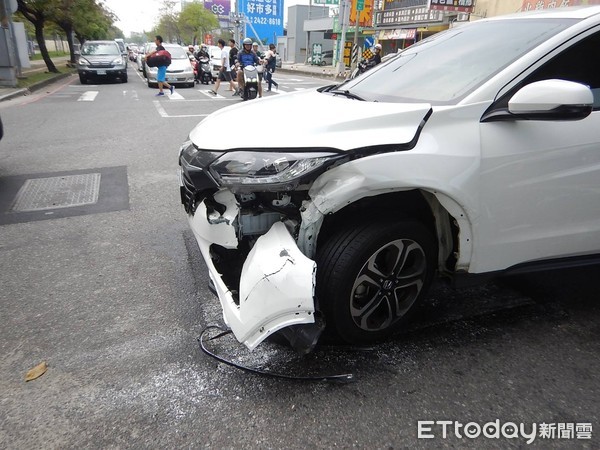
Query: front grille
x=188 y=194
x=174 y=71
x=101 y=66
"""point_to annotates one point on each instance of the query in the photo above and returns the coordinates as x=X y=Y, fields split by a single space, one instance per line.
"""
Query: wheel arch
x=443 y=217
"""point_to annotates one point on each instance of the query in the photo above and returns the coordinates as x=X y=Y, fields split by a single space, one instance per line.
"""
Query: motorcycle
x=204 y=73
x=250 y=74
x=194 y=64
x=362 y=67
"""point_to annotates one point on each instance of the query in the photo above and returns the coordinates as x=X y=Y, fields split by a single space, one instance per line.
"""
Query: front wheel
x=370 y=277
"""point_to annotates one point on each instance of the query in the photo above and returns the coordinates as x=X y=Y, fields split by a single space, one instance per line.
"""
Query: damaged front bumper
x=276 y=283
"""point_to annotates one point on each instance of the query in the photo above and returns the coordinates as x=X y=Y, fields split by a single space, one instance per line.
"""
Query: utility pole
x=9 y=58
x=360 y=5
x=343 y=18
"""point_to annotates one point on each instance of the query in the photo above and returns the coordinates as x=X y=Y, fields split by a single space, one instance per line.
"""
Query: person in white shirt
x=225 y=71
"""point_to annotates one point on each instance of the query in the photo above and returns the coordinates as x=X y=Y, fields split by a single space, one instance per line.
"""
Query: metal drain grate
x=39 y=194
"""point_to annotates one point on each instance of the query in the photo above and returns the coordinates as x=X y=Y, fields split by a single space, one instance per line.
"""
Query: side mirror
x=546 y=100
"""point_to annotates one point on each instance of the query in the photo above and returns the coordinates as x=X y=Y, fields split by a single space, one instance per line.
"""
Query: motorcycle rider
x=376 y=58
x=203 y=52
x=246 y=57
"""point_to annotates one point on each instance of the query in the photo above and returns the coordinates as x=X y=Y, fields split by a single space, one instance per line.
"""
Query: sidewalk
x=60 y=62
x=319 y=71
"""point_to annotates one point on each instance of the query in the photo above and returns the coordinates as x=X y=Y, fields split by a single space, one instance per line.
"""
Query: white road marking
x=176 y=96
x=164 y=113
x=209 y=94
x=88 y=96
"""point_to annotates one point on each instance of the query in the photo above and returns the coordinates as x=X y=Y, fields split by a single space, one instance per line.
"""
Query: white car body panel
x=328 y=121
x=276 y=287
x=518 y=191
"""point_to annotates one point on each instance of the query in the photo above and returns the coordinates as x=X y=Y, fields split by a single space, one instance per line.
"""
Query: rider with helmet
x=246 y=57
x=376 y=58
x=203 y=52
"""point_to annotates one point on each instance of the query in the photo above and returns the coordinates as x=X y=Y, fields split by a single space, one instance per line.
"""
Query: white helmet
x=377 y=46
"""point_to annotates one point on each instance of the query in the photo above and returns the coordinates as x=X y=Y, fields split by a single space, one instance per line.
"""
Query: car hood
x=308 y=119
x=100 y=58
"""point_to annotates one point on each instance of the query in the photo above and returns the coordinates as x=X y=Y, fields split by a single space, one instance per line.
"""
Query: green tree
x=81 y=17
x=38 y=12
x=195 y=20
x=168 y=22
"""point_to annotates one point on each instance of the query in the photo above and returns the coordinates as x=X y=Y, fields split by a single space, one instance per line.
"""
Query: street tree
x=168 y=22
x=94 y=22
x=195 y=21
x=72 y=15
x=38 y=12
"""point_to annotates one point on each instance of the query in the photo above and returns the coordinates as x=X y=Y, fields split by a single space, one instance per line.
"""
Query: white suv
x=471 y=154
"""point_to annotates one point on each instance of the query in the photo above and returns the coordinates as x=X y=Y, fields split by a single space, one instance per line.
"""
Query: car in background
x=472 y=154
x=101 y=60
x=179 y=72
x=149 y=47
x=326 y=58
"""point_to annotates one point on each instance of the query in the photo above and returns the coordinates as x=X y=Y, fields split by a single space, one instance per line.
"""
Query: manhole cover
x=40 y=194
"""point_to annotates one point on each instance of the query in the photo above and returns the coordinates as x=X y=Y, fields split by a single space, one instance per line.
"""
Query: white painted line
x=164 y=113
x=88 y=96
x=176 y=96
x=208 y=94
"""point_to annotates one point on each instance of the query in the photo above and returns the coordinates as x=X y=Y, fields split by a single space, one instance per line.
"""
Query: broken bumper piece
x=276 y=286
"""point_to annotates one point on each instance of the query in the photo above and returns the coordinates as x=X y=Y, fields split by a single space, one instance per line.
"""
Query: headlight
x=83 y=62
x=270 y=170
x=117 y=61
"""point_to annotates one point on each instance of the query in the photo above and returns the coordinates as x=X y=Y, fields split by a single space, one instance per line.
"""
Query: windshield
x=449 y=65
x=215 y=52
x=177 y=52
x=100 y=49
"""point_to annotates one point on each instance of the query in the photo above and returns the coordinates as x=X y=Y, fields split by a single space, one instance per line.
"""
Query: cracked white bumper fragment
x=277 y=281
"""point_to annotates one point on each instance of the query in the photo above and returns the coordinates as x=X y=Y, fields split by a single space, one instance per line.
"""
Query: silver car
x=179 y=72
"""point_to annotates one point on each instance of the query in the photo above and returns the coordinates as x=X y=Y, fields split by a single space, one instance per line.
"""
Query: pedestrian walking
x=161 y=76
x=233 y=52
x=271 y=64
x=225 y=70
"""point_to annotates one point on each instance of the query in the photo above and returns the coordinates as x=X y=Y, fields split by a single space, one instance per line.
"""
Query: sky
x=141 y=15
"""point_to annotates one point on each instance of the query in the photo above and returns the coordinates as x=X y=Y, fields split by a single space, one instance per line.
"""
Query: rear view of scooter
x=250 y=83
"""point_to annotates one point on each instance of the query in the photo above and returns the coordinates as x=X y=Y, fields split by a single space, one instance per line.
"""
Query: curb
x=34 y=87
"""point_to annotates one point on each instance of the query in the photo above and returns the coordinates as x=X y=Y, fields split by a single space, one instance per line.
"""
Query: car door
x=540 y=180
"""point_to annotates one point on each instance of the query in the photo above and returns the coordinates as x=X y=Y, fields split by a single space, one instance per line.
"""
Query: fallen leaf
x=37 y=371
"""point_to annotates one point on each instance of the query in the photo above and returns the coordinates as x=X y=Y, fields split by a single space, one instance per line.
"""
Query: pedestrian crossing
x=90 y=93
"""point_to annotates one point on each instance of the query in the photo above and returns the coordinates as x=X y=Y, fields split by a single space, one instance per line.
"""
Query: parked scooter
x=204 y=74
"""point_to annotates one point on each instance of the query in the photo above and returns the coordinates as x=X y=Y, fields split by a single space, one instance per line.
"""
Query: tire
x=82 y=79
x=124 y=79
x=370 y=277
x=323 y=63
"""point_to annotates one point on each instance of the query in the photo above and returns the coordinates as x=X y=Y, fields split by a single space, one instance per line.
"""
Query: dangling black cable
x=343 y=378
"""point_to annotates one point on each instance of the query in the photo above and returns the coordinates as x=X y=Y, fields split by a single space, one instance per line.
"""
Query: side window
x=577 y=63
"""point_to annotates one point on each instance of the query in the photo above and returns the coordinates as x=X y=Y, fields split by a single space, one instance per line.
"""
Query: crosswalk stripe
x=88 y=96
x=176 y=96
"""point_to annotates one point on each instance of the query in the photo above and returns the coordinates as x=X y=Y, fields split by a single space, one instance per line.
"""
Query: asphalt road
x=114 y=299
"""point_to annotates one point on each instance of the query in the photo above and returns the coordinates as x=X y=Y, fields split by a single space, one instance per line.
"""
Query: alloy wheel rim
x=387 y=285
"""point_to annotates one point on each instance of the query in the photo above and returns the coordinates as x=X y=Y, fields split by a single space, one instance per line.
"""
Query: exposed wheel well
x=414 y=204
